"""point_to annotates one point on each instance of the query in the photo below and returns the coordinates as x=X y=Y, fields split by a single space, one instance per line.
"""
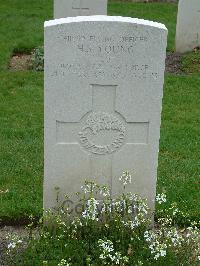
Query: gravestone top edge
x=102 y=18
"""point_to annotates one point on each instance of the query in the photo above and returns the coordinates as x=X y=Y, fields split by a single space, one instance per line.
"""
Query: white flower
x=106 y=207
x=132 y=224
x=108 y=252
x=104 y=190
x=163 y=253
x=107 y=246
x=91 y=210
x=119 y=205
x=4 y=191
x=157 y=247
x=14 y=241
x=63 y=262
x=175 y=211
x=160 y=198
x=125 y=178
x=88 y=187
x=130 y=209
x=174 y=237
x=142 y=207
x=76 y=222
x=11 y=245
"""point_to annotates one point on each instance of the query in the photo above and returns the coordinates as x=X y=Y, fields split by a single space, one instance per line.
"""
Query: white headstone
x=103 y=97
x=188 y=25
x=73 y=8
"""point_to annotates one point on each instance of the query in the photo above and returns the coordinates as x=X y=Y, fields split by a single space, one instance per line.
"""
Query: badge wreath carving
x=98 y=123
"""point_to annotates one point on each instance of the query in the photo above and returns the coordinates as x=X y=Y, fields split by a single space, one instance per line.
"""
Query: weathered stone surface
x=72 y=8
x=103 y=98
x=188 y=25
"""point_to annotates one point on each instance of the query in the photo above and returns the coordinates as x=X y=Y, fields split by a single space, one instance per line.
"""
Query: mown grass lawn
x=21 y=113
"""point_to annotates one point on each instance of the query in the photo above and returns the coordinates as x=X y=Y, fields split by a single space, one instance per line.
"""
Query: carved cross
x=80 y=6
x=102 y=132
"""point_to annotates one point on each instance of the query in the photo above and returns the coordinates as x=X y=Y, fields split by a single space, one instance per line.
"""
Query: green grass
x=159 y=12
x=22 y=22
x=21 y=113
x=179 y=159
x=21 y=135
x=22 y=26
x=191 y=63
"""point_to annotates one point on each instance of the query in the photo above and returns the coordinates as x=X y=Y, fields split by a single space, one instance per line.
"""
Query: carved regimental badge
x=102 y=133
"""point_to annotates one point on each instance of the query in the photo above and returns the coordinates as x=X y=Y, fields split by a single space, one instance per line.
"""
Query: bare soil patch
x=4 y=232
x=20 y=62
x=173 y=63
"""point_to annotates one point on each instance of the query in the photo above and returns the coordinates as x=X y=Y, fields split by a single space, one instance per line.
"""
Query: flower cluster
x=113 y=228
x=193 y=239
x=4 y=191
x=174 y=237
x=104 y=191
x=169 y=237
x=88 y=187
x=63 y=262
x=132 y=224
x=15 y=242
x=92 y=188
x=125 y=178
x=91 y=210
x=108 y=254
x=161 y=198
x=158 y=249
x=138 y=210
